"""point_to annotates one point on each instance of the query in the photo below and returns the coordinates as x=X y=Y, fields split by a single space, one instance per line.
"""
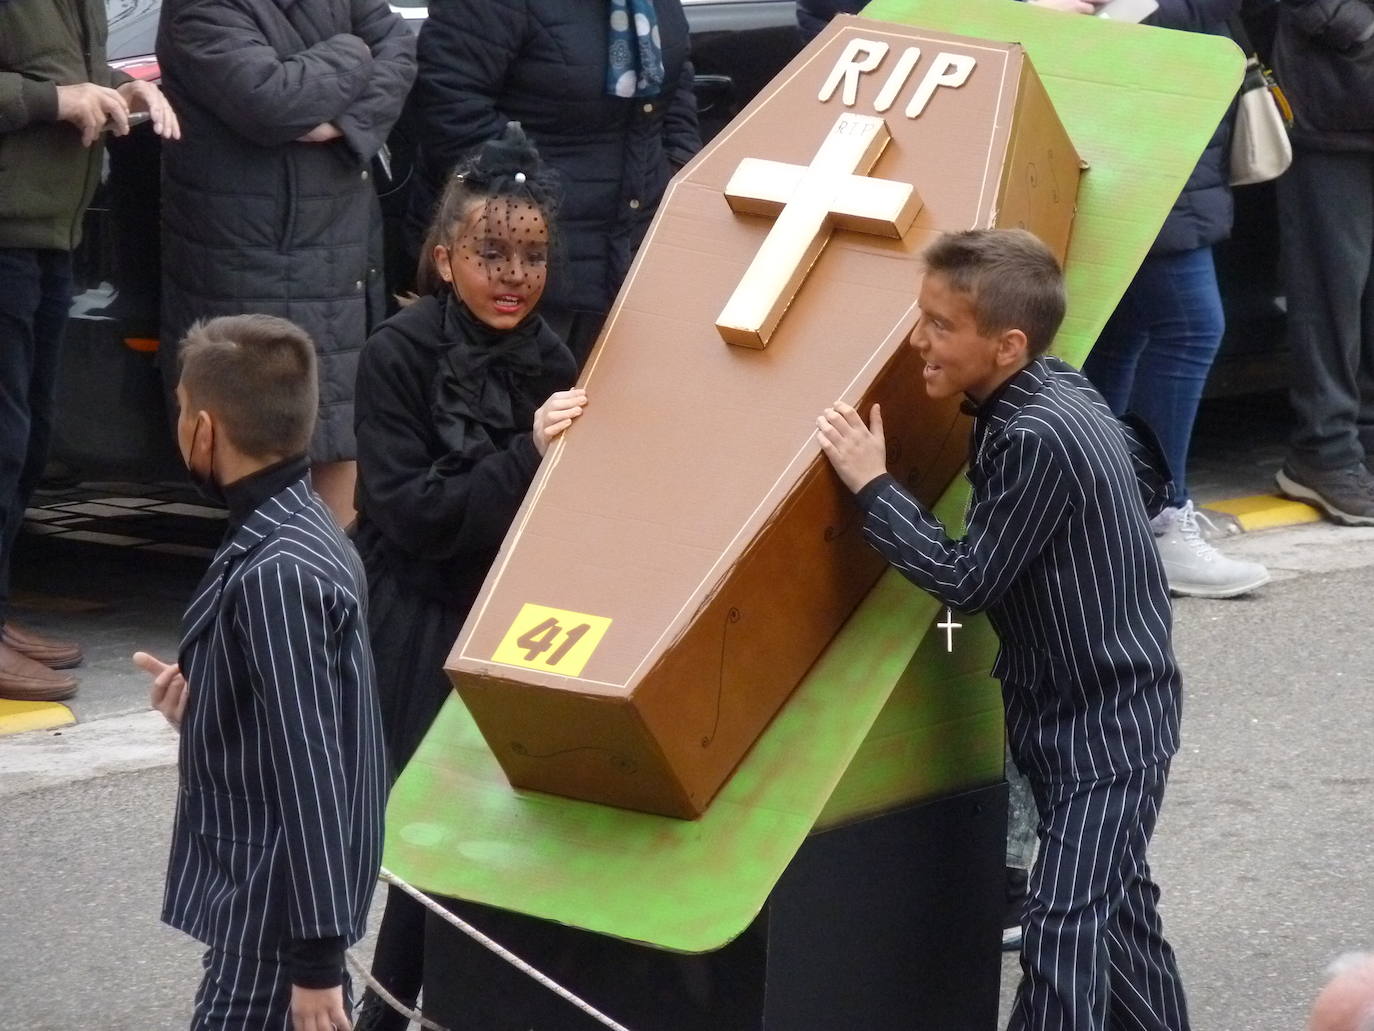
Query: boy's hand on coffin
x=858 y=452
x=168 y=692
x=556 y=415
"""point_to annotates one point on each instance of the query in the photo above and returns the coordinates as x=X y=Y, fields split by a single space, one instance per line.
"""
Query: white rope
x=495 y=947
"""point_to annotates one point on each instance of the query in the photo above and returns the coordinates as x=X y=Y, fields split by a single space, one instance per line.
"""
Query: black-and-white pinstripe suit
x=1059 y=551
x=282 y=772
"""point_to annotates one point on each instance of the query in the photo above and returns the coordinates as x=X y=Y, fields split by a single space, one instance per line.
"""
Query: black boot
x=376 y=1014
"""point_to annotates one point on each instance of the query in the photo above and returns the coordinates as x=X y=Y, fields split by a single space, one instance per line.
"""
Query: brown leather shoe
x=23 y=680
x=50 y=651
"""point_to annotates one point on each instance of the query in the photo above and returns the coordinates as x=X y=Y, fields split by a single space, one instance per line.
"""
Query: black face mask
x=205 y=484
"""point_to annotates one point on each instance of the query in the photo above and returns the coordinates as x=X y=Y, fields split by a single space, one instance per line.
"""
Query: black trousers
x=1094 y=955
x=35 y=292
x=1326 y=231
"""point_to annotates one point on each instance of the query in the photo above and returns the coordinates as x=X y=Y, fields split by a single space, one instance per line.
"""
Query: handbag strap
x=1240 y=35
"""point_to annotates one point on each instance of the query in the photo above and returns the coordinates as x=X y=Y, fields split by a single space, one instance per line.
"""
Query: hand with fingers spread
x=90 y=108
x=556 y=415
x=144 y=96
x=858 y=452
x=168 y=692
x=318 y=1009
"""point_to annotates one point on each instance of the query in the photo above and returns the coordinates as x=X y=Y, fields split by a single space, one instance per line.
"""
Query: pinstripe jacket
x=1058 y=550
x=282 y=775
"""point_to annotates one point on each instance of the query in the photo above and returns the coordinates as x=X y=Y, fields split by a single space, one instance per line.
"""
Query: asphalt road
x=1263 y=850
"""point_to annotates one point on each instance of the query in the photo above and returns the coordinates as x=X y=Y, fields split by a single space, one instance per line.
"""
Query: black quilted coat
x=543 y=63
x=1324 y=58
x=254 y=221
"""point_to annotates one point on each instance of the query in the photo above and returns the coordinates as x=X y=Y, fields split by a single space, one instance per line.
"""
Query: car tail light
x=143 y=345
x=145 y=68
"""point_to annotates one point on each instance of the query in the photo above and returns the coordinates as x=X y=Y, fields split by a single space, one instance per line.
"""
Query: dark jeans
x=35 y=292
x=1326 y=233
x=1155 y=352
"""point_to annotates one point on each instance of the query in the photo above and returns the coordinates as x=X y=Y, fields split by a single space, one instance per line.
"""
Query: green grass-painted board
x=1140 y=104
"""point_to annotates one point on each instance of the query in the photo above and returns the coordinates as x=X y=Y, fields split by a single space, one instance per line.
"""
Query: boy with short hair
x=278 y=832
x=1059 y=551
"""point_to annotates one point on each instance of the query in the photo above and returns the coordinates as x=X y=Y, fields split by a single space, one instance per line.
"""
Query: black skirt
x=411 y=637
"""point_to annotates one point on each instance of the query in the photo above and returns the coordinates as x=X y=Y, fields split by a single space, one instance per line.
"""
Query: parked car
x=111 y=421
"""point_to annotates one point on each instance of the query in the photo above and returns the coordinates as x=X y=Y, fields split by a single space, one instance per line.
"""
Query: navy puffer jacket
x=543 y=63
x=814 y=15
x=1203 y=213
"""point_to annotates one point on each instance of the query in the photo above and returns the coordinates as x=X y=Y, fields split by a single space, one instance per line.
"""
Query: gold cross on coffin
x=809 y=202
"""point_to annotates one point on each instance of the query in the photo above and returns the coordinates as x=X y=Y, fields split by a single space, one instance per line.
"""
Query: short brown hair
x=1010 y=277
x=256 y=375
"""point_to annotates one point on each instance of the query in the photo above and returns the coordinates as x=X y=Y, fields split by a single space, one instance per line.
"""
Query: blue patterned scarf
x=635 y=65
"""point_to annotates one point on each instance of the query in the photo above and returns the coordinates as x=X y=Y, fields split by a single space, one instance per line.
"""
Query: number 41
x=539 y=639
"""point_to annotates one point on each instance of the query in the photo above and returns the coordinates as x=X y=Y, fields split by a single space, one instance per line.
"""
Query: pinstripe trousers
x=242 y=992
x=1094 y=956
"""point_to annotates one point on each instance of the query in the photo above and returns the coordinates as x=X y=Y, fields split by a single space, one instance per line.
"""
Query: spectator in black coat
x=1324 y=58
x=268 y=203
x=545 y=64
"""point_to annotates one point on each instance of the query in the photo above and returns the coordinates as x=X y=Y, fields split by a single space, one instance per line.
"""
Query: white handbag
x=1260 y=149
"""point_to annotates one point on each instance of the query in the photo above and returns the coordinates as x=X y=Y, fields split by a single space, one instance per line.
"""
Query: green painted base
x=456 y=827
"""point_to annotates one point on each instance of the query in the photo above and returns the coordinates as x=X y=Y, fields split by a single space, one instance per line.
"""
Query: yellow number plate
x=553 y=640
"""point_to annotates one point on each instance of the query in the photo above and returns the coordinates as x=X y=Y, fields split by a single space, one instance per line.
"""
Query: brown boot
x=23 y=680
x=50 y=651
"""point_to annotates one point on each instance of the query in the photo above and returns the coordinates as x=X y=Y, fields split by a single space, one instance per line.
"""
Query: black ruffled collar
x=477 y=387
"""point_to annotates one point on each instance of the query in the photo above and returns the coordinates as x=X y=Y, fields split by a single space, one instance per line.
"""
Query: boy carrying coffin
x=1059 y=551
x=278 y=829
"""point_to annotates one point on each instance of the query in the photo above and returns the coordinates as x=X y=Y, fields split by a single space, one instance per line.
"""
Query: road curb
x=18 y=717
x=1266 y=512
x=112 y=744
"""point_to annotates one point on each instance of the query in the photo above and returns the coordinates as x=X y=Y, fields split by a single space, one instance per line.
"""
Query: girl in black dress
x=459 y=395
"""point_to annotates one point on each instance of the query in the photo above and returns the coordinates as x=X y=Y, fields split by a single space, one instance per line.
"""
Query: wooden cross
x=809 y=202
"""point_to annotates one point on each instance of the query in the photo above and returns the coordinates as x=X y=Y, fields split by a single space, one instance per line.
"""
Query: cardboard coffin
x=685 y=552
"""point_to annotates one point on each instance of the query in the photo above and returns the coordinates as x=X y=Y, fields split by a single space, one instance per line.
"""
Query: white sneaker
x=1194 y=567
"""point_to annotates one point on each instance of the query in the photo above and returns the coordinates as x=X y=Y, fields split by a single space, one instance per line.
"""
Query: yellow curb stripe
x=1266 y=511
x=17 y=717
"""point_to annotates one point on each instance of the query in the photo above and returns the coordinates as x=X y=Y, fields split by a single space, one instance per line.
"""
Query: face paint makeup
x=497 y=262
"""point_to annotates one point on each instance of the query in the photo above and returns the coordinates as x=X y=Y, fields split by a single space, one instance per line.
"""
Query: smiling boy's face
x=959 y=359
